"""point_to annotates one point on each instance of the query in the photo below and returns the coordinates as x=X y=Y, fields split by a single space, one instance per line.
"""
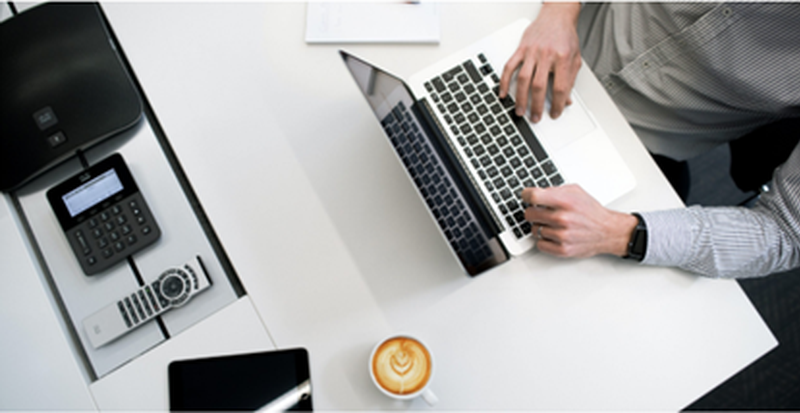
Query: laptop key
x=529 y=162
x=548 y=167
x=473 y=73
x=512 y=205
x=438 y=84
x=513 y=182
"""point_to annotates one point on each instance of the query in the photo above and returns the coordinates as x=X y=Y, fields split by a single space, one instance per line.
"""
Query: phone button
x=57 y=139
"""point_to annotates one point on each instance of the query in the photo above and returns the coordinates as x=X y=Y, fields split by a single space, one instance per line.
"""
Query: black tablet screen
x=241 y=382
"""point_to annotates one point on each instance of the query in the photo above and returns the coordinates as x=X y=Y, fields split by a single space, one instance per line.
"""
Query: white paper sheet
x=382 y=22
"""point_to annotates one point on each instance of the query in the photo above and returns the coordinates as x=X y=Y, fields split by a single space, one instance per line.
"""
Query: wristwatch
x=637 y=246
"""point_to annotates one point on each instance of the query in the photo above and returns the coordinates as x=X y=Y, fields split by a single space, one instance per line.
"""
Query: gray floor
x=772 y=382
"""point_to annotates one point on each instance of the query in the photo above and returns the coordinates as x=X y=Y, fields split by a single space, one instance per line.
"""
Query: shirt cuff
x=669 y=237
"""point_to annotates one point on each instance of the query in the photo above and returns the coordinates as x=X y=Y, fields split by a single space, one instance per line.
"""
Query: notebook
x=469 y=155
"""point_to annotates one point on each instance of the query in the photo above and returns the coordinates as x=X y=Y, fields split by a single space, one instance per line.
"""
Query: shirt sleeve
x=732 y=242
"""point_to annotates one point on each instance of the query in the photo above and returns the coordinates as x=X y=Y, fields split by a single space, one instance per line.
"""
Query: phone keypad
x=113 y=233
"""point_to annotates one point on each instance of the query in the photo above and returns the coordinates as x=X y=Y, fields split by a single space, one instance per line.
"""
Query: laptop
x=469 y=155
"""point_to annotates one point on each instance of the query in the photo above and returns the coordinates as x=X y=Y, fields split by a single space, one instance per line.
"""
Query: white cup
x=410 y=357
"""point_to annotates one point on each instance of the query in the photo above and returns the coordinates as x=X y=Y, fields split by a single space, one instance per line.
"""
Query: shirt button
x=609 y=84
x=727 y=12
x=646 y=64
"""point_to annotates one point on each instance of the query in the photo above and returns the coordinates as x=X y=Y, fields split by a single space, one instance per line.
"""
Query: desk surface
x=336 y=250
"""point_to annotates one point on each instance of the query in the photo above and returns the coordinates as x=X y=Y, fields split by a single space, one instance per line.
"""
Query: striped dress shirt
x=689 y=77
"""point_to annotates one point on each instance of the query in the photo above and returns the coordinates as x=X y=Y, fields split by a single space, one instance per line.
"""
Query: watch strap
x=637 y=245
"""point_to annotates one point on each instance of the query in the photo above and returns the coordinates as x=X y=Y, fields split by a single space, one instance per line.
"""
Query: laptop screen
x=429 y=165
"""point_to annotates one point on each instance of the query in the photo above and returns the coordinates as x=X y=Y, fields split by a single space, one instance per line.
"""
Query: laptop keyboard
x=499 y=144
x=454 y=218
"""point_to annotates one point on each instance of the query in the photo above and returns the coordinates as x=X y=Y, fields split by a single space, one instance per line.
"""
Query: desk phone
x=103 y=215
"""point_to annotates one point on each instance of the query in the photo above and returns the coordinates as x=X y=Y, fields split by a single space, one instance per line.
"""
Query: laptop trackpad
x=573 y=124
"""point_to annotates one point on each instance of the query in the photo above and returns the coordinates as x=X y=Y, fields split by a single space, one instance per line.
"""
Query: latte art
x=402 y=365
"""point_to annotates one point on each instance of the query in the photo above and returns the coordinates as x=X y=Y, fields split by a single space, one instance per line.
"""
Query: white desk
x=336 y=250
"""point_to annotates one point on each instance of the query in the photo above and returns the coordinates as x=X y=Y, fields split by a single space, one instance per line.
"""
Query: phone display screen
x=92 y=193
x=270 y=381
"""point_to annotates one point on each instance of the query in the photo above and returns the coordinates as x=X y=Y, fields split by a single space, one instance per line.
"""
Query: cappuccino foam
x=402 y=365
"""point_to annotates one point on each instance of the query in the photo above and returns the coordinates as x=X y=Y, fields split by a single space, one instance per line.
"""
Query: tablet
x=265 y=381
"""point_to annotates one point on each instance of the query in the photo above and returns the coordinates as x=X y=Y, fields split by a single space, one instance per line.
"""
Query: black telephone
x=64 y=88
x=103 y=215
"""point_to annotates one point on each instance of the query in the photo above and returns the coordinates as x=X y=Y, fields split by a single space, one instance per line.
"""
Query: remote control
x=173 y=288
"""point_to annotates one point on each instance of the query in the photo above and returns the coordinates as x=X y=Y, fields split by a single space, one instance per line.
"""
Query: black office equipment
x=63 y=88
x=104 y=216
x=268 y=381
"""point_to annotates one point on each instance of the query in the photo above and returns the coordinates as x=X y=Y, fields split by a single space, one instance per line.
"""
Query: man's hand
x=573 y=224
x=549 y=45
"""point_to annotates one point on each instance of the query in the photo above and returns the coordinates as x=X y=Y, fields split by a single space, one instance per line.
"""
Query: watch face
x=637 y=247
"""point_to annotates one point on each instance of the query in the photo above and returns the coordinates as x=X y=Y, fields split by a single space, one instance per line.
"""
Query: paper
x=384 y=22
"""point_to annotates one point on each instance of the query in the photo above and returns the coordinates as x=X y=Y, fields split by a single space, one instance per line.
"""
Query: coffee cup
x=402 y=367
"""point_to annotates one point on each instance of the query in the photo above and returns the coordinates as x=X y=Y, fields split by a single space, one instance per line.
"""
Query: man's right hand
x=549 y=45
